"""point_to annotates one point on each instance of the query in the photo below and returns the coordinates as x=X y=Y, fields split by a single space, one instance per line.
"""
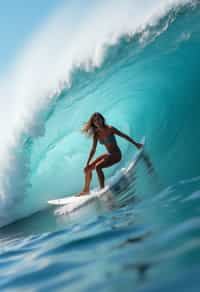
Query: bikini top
x=108 y=140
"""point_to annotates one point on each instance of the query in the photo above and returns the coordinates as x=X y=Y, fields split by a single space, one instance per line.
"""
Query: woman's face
x=97 y=120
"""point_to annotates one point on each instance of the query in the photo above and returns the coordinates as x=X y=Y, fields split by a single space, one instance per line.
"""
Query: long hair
x=89 y=127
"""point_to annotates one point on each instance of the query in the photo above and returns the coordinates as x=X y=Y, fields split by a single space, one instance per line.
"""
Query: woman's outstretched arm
x=119 y=133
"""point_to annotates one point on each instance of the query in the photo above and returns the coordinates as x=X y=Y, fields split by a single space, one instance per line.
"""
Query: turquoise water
x=147 y=239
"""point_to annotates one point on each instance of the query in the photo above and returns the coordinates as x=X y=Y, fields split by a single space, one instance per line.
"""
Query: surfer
x=97 y=128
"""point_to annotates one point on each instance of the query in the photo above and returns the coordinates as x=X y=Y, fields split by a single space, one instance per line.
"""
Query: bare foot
x=83 y=193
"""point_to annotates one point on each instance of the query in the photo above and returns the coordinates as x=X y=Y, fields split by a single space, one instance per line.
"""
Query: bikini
x=109 y=140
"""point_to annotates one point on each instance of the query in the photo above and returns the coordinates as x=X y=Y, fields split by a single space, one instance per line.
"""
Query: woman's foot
x=83 y=193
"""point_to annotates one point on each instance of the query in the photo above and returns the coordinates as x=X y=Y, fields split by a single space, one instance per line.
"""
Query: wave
x=59 y=77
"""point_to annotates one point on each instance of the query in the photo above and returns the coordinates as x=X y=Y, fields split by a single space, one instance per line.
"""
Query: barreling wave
x=140 y=70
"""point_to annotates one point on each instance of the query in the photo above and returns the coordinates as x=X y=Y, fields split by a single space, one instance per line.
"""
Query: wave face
x=142 y=73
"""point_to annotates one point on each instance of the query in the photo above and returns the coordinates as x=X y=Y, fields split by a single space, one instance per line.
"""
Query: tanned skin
x=105 y=160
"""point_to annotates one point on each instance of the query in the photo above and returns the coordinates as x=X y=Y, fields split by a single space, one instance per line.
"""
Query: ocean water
x=140 y=68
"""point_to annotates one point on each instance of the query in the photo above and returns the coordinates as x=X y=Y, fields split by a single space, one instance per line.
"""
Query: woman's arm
x=119 y=133
x=93 y=150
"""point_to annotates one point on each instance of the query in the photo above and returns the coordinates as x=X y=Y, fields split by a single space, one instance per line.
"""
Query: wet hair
x=89 y=127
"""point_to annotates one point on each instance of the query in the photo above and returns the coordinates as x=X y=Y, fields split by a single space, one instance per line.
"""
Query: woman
x=105 y=134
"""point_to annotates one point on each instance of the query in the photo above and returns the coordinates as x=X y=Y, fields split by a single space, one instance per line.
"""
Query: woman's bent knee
x=90 y=168
x=97 y=168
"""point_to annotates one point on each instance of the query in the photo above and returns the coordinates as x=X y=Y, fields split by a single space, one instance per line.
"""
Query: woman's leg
x=100 y=177
x=107 y=161
x=88 y=178
x=88 y=174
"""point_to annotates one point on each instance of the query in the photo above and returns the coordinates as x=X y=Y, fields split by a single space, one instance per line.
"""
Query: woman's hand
x=138 y=145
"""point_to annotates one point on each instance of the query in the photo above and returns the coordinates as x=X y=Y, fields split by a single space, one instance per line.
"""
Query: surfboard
x=75 y=201
x=68 y=200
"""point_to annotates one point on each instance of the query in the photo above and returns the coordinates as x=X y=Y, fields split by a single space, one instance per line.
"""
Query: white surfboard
x=68 y=200
x=71 y=203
